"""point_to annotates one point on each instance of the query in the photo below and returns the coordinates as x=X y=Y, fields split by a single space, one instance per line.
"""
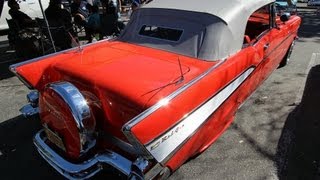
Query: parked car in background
x=285 y=2
x=314 y=3
x=161 y=93
x=29 y=7
x=286 y=6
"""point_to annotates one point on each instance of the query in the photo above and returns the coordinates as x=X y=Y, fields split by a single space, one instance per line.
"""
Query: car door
x=271 y=41
x=263 y=44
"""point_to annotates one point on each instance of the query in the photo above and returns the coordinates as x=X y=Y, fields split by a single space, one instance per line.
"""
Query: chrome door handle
x=266 y=46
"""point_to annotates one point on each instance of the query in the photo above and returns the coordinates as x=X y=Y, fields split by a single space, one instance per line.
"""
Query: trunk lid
x=141 y=75
x=121 y=79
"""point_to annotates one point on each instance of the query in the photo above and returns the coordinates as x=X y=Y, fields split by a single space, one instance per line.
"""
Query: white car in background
x=29 y=7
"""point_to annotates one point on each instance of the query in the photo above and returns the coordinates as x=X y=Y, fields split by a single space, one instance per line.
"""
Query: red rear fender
x=36 y=73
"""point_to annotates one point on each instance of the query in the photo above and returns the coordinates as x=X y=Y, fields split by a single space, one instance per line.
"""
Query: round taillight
x=67 y=118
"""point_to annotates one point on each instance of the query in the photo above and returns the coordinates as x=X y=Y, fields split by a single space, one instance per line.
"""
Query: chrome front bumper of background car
x=89 y=168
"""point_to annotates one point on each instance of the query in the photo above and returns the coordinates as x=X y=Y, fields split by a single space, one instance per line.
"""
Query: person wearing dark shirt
x=58 y=16
x=79 y=12
x=60 y=24
x=79 y=6
x=110 y=23
x=135 y=4
x=23 y=20
x=22 y=32
x=93 y=24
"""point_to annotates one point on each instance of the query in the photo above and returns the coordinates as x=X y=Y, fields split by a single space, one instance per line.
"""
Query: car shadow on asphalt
x=18 y=157
x=7 y=58
x=298 y=151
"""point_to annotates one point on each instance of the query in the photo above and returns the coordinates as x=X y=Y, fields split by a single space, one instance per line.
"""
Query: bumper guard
x=32 y=108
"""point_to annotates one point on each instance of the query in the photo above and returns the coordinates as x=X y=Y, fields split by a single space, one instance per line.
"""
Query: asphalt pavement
x=275 y=134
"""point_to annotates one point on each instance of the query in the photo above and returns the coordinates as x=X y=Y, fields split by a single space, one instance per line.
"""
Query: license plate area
x=54 y=138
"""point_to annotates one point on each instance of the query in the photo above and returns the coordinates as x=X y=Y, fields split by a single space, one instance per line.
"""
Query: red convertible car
x=163 y=91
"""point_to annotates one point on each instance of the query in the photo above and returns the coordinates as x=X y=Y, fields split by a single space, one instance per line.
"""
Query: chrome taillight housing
x=67 y=118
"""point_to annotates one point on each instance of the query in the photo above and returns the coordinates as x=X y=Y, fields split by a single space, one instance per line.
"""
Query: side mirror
x=285 y=17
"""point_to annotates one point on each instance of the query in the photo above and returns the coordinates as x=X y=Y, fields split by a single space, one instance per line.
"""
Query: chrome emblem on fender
x=166 y=136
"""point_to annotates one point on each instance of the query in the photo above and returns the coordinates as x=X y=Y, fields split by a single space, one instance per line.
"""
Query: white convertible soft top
x=212 y=29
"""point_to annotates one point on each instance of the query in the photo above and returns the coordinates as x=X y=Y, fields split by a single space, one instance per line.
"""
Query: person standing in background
x=93 y=26
x=57 y=16
x=135 y=4
x=23 y=20
x=60 y=23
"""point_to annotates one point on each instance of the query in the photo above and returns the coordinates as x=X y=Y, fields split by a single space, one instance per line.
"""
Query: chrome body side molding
x=163 y=147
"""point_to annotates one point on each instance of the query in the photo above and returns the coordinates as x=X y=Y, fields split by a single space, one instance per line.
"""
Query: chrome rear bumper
x=89 y=167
